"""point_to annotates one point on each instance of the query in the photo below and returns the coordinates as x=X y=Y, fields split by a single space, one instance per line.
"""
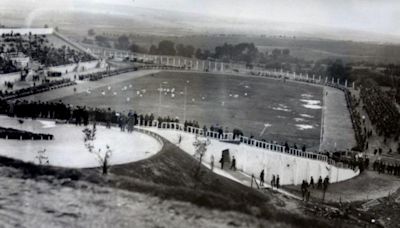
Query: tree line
x=241 y=52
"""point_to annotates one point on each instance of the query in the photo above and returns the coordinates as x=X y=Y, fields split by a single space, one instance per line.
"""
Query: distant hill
x=311 y=42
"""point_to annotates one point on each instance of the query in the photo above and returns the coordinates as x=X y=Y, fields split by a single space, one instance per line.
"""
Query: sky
x=377 y=16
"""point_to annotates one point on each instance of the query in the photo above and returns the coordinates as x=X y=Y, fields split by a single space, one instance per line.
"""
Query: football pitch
x=264 y=108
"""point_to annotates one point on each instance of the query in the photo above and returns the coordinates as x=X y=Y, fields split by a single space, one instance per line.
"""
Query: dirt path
x=368 y=185
x=283 y=198
x=338 y=133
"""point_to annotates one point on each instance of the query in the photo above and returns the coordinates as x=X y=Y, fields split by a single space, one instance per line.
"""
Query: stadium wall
x=291 y=169
x=11 y=77
x=74 y=44
x=251 y=160
x=76 y=67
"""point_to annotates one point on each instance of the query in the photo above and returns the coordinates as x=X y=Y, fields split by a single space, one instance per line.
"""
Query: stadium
x=284 y=109
x=77 y=107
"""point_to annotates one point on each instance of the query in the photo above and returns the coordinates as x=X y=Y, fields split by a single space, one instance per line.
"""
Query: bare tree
x=42 y=157
x=200 y=145
x=102 y=158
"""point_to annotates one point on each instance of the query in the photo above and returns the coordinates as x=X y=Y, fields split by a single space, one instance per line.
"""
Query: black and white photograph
x=199 y=113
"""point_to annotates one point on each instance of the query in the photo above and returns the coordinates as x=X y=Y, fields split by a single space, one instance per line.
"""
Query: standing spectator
x=222 y=161
x=366 y=162
x=304 y=189
x=379 y=167
x=85 y=116
x=326 y=183
x=277 y=181
x=308 y=193
x=233 y=164
x=287 y=148
x=122 y=122
x=212 y=162
x=319 y=185
x=262 y=178
x=312 y=182
x=108 y=117
x=273 y=181
x=131 y=123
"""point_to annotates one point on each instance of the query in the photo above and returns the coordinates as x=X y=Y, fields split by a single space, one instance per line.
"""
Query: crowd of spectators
x=392 y=168
x=10 y=133
x=353 y=162
x=381 y=110
x=79 y=115
x=44 y=86
x=38 y=48
x=356 y=121
x=106 y=73
x=320 y=185
x=83 y=115
x=7 y=65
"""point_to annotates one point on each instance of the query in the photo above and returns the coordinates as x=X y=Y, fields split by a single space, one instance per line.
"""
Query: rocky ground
x=385 y=210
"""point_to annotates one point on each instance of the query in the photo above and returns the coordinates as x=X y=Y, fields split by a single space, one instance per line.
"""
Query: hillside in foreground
x=159 y=191
x=54 y=202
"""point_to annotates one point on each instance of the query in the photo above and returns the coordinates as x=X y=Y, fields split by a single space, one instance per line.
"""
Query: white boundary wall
x=11 y=77
x=291 y=169
x=76 y=67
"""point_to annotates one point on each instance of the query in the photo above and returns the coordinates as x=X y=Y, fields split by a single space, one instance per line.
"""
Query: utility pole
x=184 y=105
x=159 y=102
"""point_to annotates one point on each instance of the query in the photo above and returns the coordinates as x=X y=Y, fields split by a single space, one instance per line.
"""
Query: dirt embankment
x=160 y=191
x=46 y=201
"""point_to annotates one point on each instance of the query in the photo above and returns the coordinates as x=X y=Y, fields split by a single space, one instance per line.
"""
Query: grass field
x=267 y=109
